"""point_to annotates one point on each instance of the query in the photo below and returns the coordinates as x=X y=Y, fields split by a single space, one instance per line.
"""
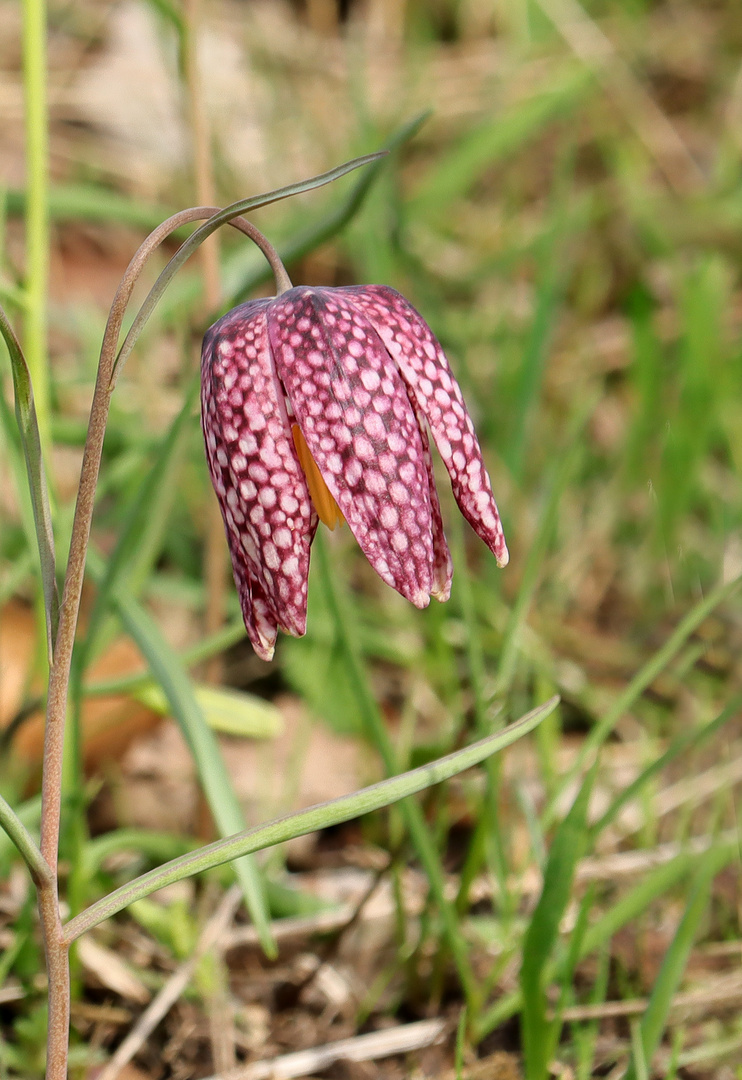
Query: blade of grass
x=378 y=736
x=203 y=231
x=93 y=203
x=16 y=574
x=202 y=650
x=639 y=1060
x=496 y=140
x=136 y=550
x=245 y=268
x=567 y=972
x=684 y=741
x=13 y=448
x=700 y=373
x=316 y=817
x=226 y=711
x=215 y=780
x=29 y=814
x=560 y=476
x=28 y=426
x=643 y=678
x=37 y=206
x=144 y=524
x=158 y=846
x=625 y=910
x=676 y=958
x=488 y=831
x=543 y=929
x=553 y=278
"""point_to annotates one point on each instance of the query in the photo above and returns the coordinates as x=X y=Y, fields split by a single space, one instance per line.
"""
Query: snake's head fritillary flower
x=315 y=406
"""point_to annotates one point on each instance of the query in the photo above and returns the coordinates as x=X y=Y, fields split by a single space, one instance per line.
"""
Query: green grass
x=590 y=309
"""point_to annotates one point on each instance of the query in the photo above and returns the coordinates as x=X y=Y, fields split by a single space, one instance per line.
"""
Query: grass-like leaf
x=377 y=734
x=543 y=929
x=25 y=411
x=304 y=241
x=226 y=711
x=25 y=843
x=495 y=140
x=673 y=966
x=321 y=816
x=91 y=202
x=215 y=780
x=629 y=907
x=643 y=678
x=144 y=524
x=687 y=740
x=245 y=268
x=197 y=238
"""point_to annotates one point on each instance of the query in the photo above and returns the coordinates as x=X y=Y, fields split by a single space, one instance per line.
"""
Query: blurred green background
x=567 y=218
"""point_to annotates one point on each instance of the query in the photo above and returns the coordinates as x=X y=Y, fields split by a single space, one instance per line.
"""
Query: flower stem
x=59 y=676
x=109 y=366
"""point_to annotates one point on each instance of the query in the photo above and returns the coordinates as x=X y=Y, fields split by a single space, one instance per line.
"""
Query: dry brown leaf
x=111 y=972
x=109 y=723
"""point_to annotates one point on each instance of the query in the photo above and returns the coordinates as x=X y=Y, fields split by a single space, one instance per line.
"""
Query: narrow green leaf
x=215 y=780
x=15 y=575
x=13 y=450
x=245 y=268
x=377 y=734
x=140 y=537
x=676 y=958
x=321 y=816
x=543 y=929
x=643 y=678
x=30 y=440
x=495 y=140
x=628 y=908
x=561 y=472
x=21 y=837
x=157 y=846
x=196 y=238
x=91 y=202
x=303 y=241
x=209 y=646
x=229 y=712
x=684 y=741
x=29 y=814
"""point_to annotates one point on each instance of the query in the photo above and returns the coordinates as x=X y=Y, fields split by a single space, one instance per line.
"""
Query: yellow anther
x=324 y=502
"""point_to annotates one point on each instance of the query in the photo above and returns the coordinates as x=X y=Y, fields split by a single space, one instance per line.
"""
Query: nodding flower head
x=314 y=407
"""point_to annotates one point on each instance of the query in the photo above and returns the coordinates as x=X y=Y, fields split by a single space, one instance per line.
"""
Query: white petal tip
x=503 y=558
x=421 y=599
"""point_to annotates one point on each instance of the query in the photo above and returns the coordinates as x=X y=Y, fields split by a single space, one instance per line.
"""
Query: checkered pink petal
x=357 y=419
x=268 y=515
x=442 y=562
x=434 y=389
x=360 y=373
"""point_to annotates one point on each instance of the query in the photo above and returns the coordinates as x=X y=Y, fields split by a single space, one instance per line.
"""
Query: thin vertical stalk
x=35 y=328
x=215 y=550
x=203 y=173
x=59 y=676
x=37 y=207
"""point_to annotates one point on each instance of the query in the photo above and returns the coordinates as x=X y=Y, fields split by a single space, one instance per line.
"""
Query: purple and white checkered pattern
x=359 y=371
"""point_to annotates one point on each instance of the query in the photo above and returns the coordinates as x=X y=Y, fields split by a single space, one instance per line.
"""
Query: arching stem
x=59 y=676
